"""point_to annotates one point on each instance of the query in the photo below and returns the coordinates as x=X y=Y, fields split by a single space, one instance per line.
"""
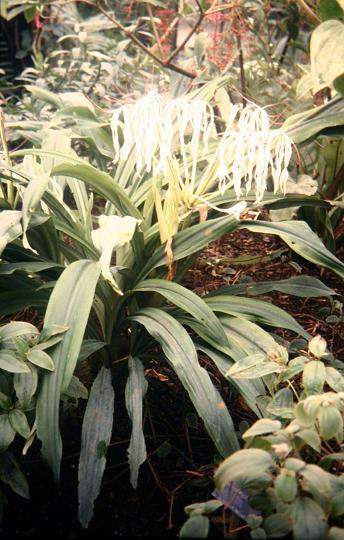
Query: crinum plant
x=102 y=250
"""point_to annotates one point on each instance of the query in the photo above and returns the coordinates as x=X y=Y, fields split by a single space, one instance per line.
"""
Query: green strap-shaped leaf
x=257 y=311
x=99 y=180
x=187 y=301
x=181 y=354
x=135 y=390
x=300 y=238
x=26 y=266
x=249 y=390
x=69 y=305
x=95 y=438
x=302 y=126
x=190 y=241
x=303 y=286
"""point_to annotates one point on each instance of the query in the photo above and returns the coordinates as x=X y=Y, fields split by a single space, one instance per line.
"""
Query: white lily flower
x=113 y=232
x=151 y=125
x=248 y=150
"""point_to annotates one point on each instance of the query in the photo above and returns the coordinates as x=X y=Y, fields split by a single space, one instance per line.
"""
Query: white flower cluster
x=150 y=127
x=156 y=128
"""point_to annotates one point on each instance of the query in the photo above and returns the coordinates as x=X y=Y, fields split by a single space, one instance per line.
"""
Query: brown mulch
x=212 y=271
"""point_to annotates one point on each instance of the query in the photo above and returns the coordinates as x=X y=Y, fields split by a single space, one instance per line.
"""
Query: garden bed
x=181 y=457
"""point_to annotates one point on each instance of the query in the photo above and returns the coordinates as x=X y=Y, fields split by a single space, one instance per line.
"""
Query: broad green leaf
x=308 y=519
x=187 y=301
x=197 y=526
x=327 y=42
x=53 y=330
x=12 y=475
x=69 y=305
x=19 y=422
x=303 y=126
x=317 y=346
x=76 y=389
x=310 y=437
x=7 y=433
x=334 y=379
x=25 y=385
x=277 y=525
x=316 y=481
x=101 y=182
x=282 y=404
x=248 y=337
x=95 y=438
x=249 y=390
x=45 y=95
x=253 y=366
x=29 y=267
x=181 y=354
x=10 y=227
x=255 y=310
x=300 y=238
x=243 y=464
x=190 y=241
x=330 y=422
x=313 y=377
x=40 y=359
x=303 y=286
x=33 y=193
x=286 y=485
x=135 y=390
x=10 y=362
x=337 y=505
x=264 y=426
x=16 y=328
x=327 y=461
x=88 y=347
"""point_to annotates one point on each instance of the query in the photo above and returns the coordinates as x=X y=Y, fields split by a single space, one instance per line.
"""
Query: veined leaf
x=135 y=390
x=187 y=301
x=255 y=310
x=7 y=432
x=181 y=354
x=12 y=475
x=190 y=241
x=300 y=238
x=252 y=367
x=40 y=358
x=26 y=266
x=10 y=362
x=309 y=520
x=69 y=305
x=303 y=126
x=10 y=227
x=249 y=390
x=95 y=438
x=100 y=181
x=303 y=286
x=247 y=337
x=242 y=465
x=25 y=385
x=313 y=377
x=19 y=422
